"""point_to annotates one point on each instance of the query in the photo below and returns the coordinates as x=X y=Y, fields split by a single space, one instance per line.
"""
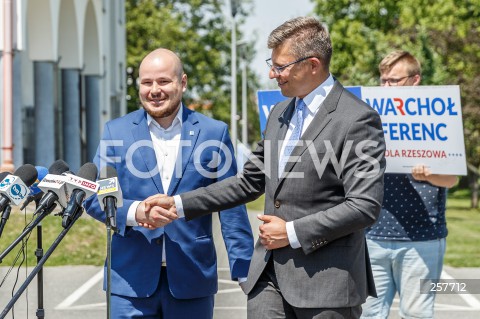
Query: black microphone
x=3 y=175
x=78 y=189
x=35 y=193
x=53 y=185
x=110 y=195
x=14 y=188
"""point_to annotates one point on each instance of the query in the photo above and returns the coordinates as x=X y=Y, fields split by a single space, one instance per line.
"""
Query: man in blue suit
x=165 y=148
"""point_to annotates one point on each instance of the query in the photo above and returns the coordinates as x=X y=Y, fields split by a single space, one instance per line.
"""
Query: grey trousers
x=266 y=301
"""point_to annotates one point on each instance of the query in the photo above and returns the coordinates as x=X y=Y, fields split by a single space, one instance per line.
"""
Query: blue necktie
x=296 y=133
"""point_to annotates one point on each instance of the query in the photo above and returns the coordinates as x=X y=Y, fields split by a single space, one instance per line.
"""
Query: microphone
x=14 y=188
x=35 y=192
x=78 y=189
x=53 y=185
x=110 y=195
x=3 y=175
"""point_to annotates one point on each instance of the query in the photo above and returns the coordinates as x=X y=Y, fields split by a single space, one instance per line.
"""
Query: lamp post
x=244 y=102
x=242 y=49
x=7 y=152
x=233 y=95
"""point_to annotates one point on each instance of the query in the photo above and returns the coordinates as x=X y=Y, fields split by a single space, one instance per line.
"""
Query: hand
x=152 y=217
x=273 y=232
x=162 y=201
x=421 y=172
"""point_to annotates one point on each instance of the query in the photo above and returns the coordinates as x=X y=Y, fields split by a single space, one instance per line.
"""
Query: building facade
x=68 y=78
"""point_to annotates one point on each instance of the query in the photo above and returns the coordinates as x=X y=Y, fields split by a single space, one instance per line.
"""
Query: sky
x=266 y=16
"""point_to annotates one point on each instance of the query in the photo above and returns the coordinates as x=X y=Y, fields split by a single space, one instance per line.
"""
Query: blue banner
x=268 y=98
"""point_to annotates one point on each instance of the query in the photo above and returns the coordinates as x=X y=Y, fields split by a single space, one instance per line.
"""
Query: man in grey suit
x=321 y=166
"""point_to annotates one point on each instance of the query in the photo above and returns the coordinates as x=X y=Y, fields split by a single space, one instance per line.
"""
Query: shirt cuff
x=179 y=206
x=292 y=236
x=132 y=212
x=242 y=279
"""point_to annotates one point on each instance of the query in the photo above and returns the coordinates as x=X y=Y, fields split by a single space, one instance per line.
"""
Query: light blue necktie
x=296 y=133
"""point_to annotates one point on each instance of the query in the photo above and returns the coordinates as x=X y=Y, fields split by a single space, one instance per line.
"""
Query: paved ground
x=75 y=292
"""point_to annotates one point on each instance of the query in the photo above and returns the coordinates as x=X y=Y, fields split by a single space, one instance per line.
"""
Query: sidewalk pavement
x=75 y=292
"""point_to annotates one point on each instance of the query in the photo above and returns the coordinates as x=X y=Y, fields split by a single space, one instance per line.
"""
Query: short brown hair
x=413 y=65
x=309 y=38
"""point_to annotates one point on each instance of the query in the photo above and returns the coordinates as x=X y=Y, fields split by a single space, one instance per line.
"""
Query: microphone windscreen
x=42 y=172
x=108 y=172
x=27 y=173
x=88 y=171
x=3 y=175
x=58 y=167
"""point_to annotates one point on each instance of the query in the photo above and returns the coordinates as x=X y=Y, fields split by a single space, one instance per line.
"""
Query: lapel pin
x=192 y=133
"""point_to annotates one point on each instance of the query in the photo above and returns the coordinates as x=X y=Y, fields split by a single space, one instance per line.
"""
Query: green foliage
x=257 y=205
x=84 y=244
x=443 y=34
x=463 y=225
x=199 y=32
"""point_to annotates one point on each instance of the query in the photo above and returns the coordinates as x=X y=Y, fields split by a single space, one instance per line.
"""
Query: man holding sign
x=407 y=243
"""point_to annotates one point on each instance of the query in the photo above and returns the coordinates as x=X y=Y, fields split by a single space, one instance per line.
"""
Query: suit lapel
x=319 y=122
x=188 y=139
x=141 y=135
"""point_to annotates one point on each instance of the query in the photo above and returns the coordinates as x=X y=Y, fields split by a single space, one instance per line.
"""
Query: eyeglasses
x=393 y=81
x=279 y=69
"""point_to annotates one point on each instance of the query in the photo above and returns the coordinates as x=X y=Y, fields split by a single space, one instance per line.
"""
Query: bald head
x=162 y=55
x=161 y=85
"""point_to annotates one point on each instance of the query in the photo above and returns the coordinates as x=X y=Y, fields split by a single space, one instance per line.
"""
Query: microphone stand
x=39 y=253
x=5 y=215
x=40 y=263
x=111 y=223
x=27 y=230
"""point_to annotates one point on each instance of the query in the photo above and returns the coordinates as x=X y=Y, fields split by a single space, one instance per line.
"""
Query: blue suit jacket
x=190 y=253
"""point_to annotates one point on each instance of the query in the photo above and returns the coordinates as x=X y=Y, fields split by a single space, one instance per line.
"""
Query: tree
x=443 y=34
x=199 y=32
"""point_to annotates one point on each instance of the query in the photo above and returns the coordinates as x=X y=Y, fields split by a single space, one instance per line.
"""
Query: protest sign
x=422 y=125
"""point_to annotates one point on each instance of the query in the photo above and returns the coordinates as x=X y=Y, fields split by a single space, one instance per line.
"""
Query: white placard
x=422 y=125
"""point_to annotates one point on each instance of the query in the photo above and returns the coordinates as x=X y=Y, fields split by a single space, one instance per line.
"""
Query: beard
x=159 y=112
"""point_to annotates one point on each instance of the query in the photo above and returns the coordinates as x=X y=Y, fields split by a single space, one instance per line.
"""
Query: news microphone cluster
x=58 y=185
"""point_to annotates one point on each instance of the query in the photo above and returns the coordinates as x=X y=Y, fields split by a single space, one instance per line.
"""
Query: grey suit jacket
x=337 y=192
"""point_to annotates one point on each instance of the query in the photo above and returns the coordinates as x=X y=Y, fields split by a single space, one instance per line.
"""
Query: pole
x=7 y=148
x=39 y=266
x=109 y=270
x=233 y=95
x=111 y=223
x=39 y=253
x=244 y=104
x=41 y=215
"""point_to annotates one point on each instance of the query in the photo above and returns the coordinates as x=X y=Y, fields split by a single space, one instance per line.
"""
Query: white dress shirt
x=313 y=101
x=166 y=143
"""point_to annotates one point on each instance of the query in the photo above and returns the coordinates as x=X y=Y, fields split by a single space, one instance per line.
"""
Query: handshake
x=160 y=210
x=156 y=211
